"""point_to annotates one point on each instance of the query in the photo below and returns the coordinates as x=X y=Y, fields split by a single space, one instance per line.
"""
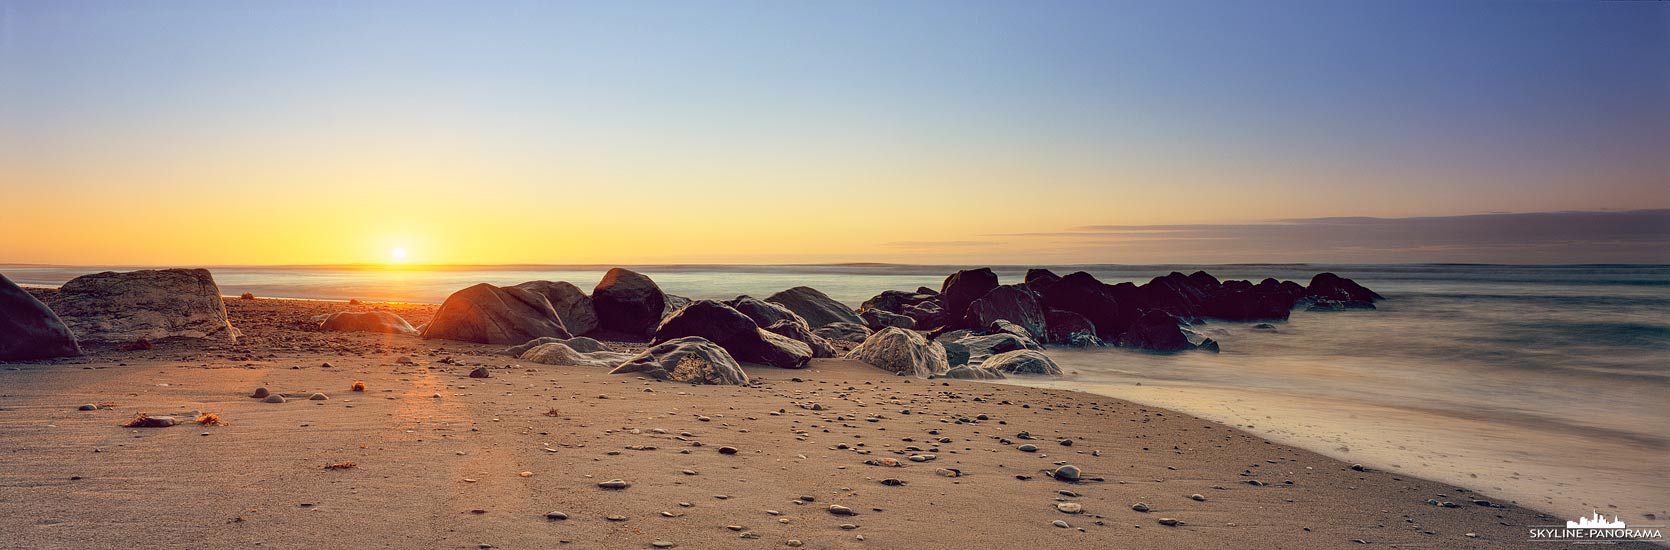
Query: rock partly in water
x=1328 y=286
x=844 y=332
x=902 y=351
x=765 y=313
x=488 y=314
x=735 y=332
x=972 y=372
x=629 y=302
x=1022 y=362
x=556 y=353
x=690 y=359
x=367 y=321
x=964 y=287
x=815 y=307
x=572 y=305
x=29 y=329
x=147 y=304
x=1014 y=303
x=1073 y=329
x=1156 y=331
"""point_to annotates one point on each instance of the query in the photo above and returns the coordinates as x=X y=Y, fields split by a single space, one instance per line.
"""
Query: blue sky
x=788 y=120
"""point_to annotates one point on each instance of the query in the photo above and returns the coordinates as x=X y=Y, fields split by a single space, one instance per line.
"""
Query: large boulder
x=572 y=305
x=844 y=332
x=972 y=372
x=764 y=313
x=367 y=321
x=1040 y=277
x=1014 y=303
x=578 y=343
x=147 y=304
x=1328 y=286
x=627 y=301
x=927 y=314
x=1156 y=330
x=487 y=314
x=895 y=301
x=878 y=319
x=730 y=329
x=964 y=287
x=902 y=351
x=815 y=307
x=797 y=331
x=29 y=329
x=1101 y=303
x=1066 y=327
x=963 y=348
x=690 y=359
x=1023 y=362
x=555 y=353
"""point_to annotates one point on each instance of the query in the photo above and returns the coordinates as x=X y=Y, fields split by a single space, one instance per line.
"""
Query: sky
x=246 y=133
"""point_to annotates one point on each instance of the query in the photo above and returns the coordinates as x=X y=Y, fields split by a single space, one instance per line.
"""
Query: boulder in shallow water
x=149 y=304
x=974 y=348
x=1024 y=361
x=1156 y=331
x=556 y=353
x=844 y=332
x=815 y=307
x=964 y=287
x=367 y=321
x=797 y=331
x=730 y=329
x=1066 y=327
x=1328 y=286
x=690 y=359
x=902 y=351
x=1013 y=303
x=629 y=302
x=578 y=343
x=878 y=319
x=29 y=329
x=572 y=305
x=972 y=372
x=488 y=314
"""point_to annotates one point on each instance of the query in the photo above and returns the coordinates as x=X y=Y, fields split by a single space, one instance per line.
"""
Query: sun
x=399 y=254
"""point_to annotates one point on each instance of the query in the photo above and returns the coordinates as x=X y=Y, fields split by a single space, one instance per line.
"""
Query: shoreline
x=425 y=463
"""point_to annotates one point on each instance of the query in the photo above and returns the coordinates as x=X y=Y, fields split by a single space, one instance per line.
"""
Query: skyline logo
x=1597 y=529
x=1597 y=521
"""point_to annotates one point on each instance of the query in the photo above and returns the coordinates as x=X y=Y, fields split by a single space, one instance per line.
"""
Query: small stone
x=921 y=458
x=662 y=544
x=480 y=372
x=794 y=542
x=88 y=407
x=840 y=510
x=949 y=472
x=260 y=393
x=556 y=516
x=1066 y=443
x=616 y=518
x=1358 y=467
x=1197 y=497
x=1023 y=435
x=727 y=450
x=1069 y=507
x=1028 y=448
x=1170 y=522
x=613 y=484
x=1059 y=523
x=808 y=498
x=1140 y=507
x=1067 y=472
x=318 y=397
x=892 y=482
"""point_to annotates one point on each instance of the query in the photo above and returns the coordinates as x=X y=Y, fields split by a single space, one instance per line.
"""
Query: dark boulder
x=927 y=291
x=690 y=359
x=1040 y=277
x=1209 y=345
x=1014 y=303
x=844 y=332
x=1328 y=286
x=964 y=287
x=629 y=302
x=1081 y=293
x=723 y=325
x=367 y=321
x=764 y=313
x=572 y=305
x=878 y=319
x=488 y=314
x=1156 y=330
x=815 y=307
x=926 y=314
x=30 y=330
x=1066 y=327
x=797 y=331
x=895 y=301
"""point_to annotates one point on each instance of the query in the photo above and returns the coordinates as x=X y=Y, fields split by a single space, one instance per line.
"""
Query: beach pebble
x=1170 y=522
x=1069 y=507
x=274 y=399
x=840 y=510
x=480 y=372
x=613 y=484
x=1140 y=507
x=1067 y=472
x=949 y=472
x=1197 y=497
x=1028 y=448
x=1358 y=467
x=795 y=543
x=616 y=518
x=662 y=544
x=153 y=422
x=260 y=393
x=1059 y=523
x=1066 y=443
x=88 y=407
x=727 y=450
x=892 y=482
x=318 y=397
x=555 y=515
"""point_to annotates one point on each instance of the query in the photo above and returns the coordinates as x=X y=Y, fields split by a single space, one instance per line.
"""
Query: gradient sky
x=214 y=133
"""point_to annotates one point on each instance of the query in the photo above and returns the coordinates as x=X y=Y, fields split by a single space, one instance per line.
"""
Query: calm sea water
x=1549 y=386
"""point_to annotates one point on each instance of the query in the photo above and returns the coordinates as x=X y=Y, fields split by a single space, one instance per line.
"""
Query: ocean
x=1548 y=386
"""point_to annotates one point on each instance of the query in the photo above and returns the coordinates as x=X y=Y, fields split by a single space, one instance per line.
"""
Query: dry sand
x=446 y=472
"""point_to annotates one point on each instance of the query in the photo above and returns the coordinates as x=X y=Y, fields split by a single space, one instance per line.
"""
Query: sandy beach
x=442 y=460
